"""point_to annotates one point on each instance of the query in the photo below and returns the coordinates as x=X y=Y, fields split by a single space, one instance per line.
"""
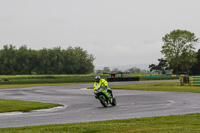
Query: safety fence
x=168 y=75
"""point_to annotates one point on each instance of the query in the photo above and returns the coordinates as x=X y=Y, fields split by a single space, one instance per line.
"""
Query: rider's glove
x=106 y=87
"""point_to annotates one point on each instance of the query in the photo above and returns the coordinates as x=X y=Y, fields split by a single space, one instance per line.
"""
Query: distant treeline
x=15 y=61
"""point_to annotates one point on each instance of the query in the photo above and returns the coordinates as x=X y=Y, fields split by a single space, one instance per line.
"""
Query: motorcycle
x=104 y=96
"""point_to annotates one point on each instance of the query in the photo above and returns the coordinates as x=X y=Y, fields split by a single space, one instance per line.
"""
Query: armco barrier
x=118 y=79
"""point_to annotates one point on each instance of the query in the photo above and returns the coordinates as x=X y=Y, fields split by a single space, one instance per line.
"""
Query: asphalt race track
x=80 y=104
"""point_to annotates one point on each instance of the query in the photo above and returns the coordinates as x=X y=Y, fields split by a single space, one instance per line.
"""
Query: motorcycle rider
x=104 y=83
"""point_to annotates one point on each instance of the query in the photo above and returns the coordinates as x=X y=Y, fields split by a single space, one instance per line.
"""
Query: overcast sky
x=116 y=32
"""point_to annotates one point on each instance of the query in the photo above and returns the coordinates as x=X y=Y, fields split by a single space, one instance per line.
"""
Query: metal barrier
x=118 y=79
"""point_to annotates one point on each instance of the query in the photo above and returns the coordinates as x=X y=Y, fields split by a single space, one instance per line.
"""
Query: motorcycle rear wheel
x=114 y=101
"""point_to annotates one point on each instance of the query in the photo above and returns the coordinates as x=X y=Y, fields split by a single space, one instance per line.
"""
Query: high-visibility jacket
x=102 y=82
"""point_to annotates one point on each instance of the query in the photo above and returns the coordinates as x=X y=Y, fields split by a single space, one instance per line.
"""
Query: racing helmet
x=97 y=79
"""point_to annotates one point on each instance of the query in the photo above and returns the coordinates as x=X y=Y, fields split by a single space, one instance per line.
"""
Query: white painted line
x=40 y=110
x=10 y=113
x=50 y=109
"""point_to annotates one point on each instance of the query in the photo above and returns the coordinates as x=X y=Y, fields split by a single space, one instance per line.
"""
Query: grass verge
x=167 y=124
x=171 y=86
x=33 y=85
x=43 y=79
x=23 y=106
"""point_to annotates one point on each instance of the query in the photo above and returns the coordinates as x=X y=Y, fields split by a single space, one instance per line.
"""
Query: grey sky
x=116 y=32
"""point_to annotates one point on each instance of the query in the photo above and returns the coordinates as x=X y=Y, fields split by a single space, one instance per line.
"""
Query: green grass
x=48 y=80
x=168 y=124
x=23 y=106
x=4 y=86
x=171 y=86
x=43 y=79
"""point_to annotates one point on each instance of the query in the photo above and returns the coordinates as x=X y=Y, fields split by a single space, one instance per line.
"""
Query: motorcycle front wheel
x=103 y=101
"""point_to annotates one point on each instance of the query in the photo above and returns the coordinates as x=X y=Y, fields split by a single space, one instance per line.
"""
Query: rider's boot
x=111 y=100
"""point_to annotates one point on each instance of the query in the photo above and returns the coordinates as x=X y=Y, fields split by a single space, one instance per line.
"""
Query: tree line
x=132 y=70
x=179 y=52
x=15 y=61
